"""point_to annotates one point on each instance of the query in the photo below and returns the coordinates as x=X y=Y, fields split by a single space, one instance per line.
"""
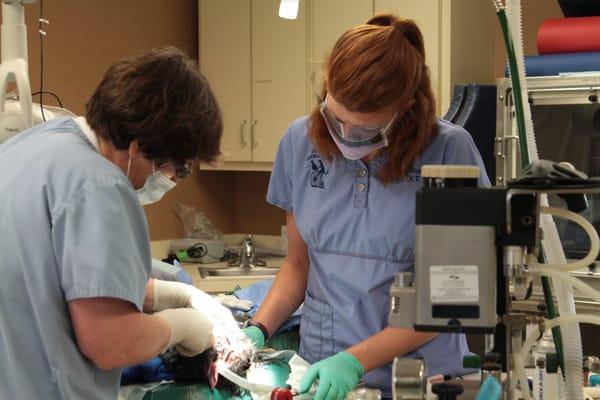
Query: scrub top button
x=361 y=187
x=362 y=172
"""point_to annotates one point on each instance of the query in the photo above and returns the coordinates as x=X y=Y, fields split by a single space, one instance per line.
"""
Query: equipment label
x=454 y=283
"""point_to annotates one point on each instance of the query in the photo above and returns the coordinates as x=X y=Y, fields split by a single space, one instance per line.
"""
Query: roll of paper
x=555 y=64
x=569 y=35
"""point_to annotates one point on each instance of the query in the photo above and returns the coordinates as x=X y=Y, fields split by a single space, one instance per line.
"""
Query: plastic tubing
x=513 y=8
x=570 y=333
x=586 y=289
x=589 y=229
x=513 y=12
x=551 y=323
x=532 y=338
x=244 y=383
x=521 y=376
x=516 y=83
x=573 y=352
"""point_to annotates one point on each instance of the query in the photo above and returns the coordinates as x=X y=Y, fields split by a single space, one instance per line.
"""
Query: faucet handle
x=248 y=244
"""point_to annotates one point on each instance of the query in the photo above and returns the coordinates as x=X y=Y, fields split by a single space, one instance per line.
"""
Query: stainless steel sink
x=237 y=271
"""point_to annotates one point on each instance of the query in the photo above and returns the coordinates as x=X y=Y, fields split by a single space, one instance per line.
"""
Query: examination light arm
x=14 y=67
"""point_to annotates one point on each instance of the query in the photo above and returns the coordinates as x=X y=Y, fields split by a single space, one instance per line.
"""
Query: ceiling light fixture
x=288 y=9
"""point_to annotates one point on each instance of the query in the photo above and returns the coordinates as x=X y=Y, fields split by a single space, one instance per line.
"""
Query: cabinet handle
x=254 y=142
x=242 y=136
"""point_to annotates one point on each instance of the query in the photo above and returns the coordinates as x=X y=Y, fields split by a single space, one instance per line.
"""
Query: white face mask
x=155 y=187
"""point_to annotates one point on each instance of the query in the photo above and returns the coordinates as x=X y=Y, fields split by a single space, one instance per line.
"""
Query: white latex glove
x=232 y=302
x=169 y=294
x=191 y=331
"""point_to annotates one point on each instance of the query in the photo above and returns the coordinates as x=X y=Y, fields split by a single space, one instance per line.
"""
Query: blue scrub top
x=359 y=233
x=71 y=227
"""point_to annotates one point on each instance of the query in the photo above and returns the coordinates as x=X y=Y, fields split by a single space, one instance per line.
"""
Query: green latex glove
x=255 y=335
x=338 y=375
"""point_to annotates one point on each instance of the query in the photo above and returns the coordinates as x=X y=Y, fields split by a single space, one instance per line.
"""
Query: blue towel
x=554 y=64
x=169 y=272
x=256 y=293
x=152 y=370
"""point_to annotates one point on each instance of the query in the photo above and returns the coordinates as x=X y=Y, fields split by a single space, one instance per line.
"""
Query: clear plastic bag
x=195 y=223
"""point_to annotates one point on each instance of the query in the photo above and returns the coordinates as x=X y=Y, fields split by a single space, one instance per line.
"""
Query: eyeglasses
x=178 y=170
x=354 y=136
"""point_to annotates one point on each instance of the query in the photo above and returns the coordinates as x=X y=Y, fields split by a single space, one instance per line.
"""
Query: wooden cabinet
x=266 y=71
x=225 y=57
x=328 y=19
x=459 y=40
x=256 y=65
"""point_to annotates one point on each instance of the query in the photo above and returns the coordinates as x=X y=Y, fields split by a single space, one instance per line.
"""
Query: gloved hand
x=168 y=294
x=255 y=335
x=338 y=375
x=191 y=331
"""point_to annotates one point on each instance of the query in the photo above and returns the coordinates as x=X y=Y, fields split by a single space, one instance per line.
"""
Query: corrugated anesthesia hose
x=516 y=85
x=552 y=246
x=533 y=337
x=513 y=8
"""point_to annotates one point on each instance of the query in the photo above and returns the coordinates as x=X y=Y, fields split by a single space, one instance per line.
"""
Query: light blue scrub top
x=71 y=227
x=359 y=233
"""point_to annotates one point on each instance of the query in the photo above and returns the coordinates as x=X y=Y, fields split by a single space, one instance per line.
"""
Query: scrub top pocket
x=316 y=330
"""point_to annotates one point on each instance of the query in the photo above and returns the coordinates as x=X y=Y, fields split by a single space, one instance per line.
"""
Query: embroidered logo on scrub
x=414 y=175
x=318 y=171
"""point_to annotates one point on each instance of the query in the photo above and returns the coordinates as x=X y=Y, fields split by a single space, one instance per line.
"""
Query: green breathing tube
x=518 y=99
x=516 y=85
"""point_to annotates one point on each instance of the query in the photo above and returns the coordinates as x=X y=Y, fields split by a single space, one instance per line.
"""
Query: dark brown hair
x=196 y=369
x=160 y=99
x=372 y=67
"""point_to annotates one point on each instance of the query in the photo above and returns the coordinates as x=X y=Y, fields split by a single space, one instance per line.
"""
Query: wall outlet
x=284 y=242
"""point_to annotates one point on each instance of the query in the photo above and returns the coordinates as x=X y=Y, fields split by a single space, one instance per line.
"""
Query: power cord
x=42 y=92
x=51 y=94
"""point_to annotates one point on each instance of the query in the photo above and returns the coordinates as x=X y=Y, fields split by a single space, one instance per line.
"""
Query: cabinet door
x=331 y=18
x=225 y=54
x=278 y=75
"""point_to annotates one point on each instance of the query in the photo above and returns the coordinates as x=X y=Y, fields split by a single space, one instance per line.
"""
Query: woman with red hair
x=347 y=176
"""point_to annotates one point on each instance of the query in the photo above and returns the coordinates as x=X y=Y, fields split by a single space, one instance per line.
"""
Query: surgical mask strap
x=129 y=166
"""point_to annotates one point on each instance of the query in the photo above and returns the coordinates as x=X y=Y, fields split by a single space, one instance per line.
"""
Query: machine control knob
x=409 y=379
x=447 y=391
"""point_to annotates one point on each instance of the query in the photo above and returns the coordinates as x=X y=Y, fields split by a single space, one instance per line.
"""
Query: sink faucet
x=247 y=257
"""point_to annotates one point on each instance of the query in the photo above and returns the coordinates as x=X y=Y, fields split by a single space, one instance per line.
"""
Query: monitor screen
x=571 y=132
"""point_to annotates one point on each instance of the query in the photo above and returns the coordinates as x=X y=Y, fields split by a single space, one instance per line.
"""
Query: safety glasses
x=170 y=168
x=354 y=136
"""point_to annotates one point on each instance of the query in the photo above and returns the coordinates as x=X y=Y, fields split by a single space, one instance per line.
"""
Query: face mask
x=155 y=187
x=355 y=142
x=357 y=152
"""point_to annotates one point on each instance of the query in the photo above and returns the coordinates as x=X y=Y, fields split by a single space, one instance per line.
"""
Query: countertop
x=221 y=284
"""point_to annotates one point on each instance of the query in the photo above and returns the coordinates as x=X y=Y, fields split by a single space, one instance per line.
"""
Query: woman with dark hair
x=347 y=176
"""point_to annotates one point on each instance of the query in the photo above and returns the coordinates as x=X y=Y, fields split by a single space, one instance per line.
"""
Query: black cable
x=41 y=91
x=51 y=94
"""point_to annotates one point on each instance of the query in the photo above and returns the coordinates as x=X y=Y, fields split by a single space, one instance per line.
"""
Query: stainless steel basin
x=237 y=271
